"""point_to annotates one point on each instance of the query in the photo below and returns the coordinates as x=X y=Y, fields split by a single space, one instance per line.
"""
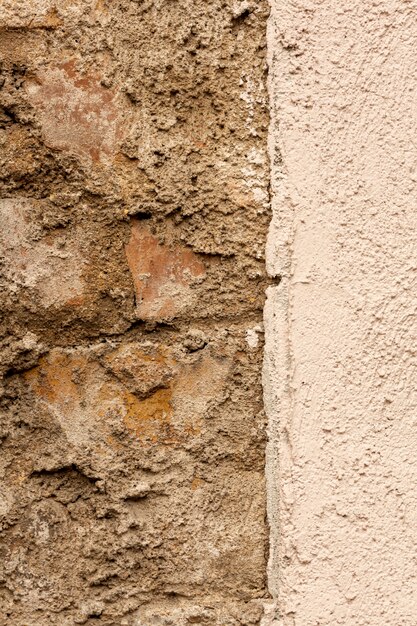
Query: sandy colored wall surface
x=133 y=219
x=340 y=370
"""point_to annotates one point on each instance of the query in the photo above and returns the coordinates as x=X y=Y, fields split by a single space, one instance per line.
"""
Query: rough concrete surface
x=133 y=217
x=340 y=367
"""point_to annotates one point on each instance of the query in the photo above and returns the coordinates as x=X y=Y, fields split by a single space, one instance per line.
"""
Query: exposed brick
x=163 y=275
x=88 y=398
x=77 y=113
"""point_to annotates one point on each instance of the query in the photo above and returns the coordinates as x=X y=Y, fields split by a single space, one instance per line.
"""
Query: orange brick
x=76 y=112
x=162 y=275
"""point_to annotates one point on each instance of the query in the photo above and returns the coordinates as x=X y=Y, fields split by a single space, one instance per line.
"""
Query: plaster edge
x=276 y=373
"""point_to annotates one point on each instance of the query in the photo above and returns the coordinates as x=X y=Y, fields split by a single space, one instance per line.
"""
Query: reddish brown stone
x=162 y=275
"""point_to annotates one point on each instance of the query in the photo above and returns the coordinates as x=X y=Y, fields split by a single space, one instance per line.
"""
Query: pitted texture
x=341 y=358
x=133 y=217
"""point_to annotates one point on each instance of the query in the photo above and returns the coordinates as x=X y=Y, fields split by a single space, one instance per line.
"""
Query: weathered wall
x=340 y=370
x=133 y=216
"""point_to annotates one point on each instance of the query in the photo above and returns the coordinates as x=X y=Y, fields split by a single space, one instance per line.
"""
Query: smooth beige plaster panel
x=340 y=365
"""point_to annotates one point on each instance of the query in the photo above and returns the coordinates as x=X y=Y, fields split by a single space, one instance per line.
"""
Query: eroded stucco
x=341 y=323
